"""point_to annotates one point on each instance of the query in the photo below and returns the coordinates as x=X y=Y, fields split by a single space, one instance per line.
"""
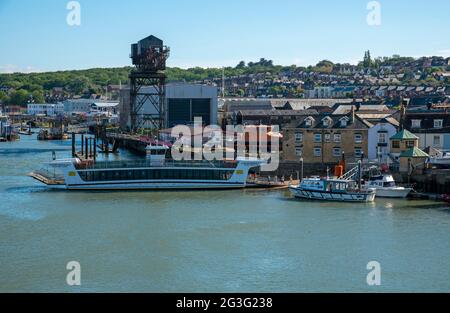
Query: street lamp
x=302 y=161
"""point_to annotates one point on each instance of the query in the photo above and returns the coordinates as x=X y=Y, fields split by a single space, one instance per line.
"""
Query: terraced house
x=324 y=138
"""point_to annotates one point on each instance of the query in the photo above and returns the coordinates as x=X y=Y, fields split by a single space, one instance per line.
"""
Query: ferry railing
x=149 y=164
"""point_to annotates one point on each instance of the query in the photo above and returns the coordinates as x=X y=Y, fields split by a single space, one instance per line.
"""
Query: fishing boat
x=326 y=189
x=385 y=186
x=343 y=189
x=153 y=174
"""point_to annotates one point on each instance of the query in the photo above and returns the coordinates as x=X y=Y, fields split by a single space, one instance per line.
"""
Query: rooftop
x=414 y=153
x=404 y=135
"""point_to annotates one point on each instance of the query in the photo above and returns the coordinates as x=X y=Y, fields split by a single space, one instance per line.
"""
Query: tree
x=241 y=65
x=38 y=96
x=19 y=97
x=367 y=62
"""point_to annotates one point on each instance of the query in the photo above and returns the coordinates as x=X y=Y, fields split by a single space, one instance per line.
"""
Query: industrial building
x=183 y=103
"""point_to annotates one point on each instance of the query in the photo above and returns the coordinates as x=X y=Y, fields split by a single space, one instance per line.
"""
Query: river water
x=209 y=241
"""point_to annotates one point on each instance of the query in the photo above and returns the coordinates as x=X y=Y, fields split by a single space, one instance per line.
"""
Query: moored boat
x=386 y=187
x=326 y=189
x=75 y=174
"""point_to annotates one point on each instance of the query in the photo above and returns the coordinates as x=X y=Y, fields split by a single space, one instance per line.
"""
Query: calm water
x=227 y=241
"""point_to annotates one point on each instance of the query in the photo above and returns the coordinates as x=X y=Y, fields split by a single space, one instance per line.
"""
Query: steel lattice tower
x=149 y=57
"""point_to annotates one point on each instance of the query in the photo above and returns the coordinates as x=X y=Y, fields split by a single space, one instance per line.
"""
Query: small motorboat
x=385 y=186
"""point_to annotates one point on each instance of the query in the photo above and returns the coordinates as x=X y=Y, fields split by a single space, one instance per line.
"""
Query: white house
x=378 y=142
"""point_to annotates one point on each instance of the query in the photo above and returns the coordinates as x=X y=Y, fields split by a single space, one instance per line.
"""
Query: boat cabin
x=327 y=185
x=156 y=154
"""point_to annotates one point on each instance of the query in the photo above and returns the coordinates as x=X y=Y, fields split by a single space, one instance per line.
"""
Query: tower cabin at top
x=149 y=54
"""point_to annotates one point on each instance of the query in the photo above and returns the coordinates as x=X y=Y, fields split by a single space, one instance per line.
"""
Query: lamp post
x=302 y=162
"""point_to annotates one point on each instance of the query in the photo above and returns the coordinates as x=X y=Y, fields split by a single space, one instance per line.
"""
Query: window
x=326 y=122
x=438 y=123
x=327 y=137
x=436 y=141
x=337 y=137
x=337 y=152
x=358 y=138
x=299 y=152
x=395 y=144
x=382 y=138
x=317 y=152
x=344 y=122
x=318 y=137
x=309 y=121
x=416 y=123
x=410 y=144
x=298 y=137
x=358 y=152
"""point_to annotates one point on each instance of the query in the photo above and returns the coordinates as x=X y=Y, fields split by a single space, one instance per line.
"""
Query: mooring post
x=73 y=145
x=82 y=144
x=95 y=149
x=86 y=152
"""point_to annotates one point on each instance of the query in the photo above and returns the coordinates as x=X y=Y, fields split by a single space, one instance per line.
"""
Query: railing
x=149 y=164
x=350 y=175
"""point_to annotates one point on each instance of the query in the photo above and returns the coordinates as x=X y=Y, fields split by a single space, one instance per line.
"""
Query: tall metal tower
x=149 y=57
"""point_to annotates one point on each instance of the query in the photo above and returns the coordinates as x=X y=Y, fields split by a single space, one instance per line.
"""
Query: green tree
x=19 y=97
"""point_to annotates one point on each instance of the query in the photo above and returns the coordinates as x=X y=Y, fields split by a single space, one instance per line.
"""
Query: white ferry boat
x=326 y=189
x=74 y=174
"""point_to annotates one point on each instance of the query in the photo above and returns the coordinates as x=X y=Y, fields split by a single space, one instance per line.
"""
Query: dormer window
x=416 y=123
x=309 y=121
x=327 y=121
x=438 y=123
x=344 y=121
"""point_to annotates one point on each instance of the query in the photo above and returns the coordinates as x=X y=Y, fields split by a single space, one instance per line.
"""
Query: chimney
x=352 y=115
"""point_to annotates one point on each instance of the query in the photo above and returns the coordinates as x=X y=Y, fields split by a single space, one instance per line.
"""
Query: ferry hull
x=330 y=196
x=156 y=186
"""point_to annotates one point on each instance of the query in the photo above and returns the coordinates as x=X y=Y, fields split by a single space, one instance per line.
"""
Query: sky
x=35 y=35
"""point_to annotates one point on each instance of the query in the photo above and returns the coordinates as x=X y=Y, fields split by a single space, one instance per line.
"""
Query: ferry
x=326 y=189
x=149 y=174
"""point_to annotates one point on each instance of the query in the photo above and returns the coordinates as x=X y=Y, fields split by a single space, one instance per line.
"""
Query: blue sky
x=34 y=35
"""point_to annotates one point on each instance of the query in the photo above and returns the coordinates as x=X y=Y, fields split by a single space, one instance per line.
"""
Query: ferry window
x=317 y=152
x=130 y=175
x=157 y=174
x=103 y=176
